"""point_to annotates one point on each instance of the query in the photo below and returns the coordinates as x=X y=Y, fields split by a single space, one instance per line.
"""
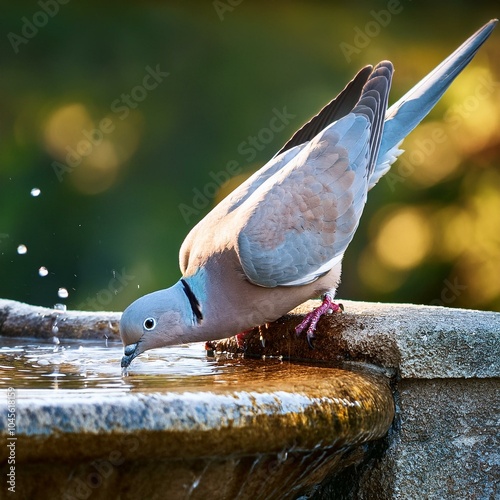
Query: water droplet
x=43 y=271
x=55 y=339
x=59 y=307
x=282 y=456
x=35 y=192
x=22 y=249
x=62 y=293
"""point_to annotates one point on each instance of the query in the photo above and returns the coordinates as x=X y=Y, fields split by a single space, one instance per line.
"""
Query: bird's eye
x=149 y=323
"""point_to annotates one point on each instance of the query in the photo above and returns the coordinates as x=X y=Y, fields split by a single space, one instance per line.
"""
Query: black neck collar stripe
x=193 y=301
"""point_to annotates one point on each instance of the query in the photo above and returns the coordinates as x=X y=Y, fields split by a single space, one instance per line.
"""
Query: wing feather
x=298 y=223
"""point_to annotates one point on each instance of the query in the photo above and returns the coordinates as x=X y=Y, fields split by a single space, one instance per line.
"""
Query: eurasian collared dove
x=279 y=238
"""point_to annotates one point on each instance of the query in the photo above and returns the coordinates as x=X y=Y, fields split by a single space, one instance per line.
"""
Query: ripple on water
x=39 y=364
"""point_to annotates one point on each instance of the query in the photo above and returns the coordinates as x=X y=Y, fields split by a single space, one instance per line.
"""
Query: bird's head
x=158 y=319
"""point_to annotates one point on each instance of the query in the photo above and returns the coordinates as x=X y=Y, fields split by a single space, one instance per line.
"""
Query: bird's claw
x=311 y=319
x=310 y=339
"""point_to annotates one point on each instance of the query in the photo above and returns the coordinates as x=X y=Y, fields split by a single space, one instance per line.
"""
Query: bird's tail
x=404 y=115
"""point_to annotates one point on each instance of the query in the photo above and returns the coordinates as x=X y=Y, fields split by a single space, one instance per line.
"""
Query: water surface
x=90 y=365
x=93 y=366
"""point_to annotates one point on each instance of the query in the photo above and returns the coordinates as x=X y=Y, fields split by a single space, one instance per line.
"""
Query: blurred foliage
x=146 y=160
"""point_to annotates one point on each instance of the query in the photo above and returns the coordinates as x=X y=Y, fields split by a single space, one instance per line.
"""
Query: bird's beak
x=130 y=352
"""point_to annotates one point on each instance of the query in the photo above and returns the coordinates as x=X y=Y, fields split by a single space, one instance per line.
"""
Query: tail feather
x=404 y=115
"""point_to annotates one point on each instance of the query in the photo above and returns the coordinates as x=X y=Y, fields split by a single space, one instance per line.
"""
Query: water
x=43 y=271
x=231 y=427
x=90 y=365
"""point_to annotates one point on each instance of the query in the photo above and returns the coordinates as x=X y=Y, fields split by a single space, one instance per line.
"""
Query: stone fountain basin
x=234 y=427
x=277 y=436
x=290 y=407
x=273 y=429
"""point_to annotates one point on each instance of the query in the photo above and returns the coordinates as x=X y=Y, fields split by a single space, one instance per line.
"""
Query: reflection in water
x=79 y=364
x=184 y=424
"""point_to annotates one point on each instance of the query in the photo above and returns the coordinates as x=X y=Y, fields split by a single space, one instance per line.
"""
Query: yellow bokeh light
x=454 y=231
x=64 y=128
x=404 y=238
x=470 y=235
x=430 y=155
x=473 y=117
x=88 y=152
x=482 y=280
x=375 y=275
x=486 y=208
x=97 y=172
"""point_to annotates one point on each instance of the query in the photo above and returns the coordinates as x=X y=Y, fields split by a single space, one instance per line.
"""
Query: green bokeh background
x=226 y=76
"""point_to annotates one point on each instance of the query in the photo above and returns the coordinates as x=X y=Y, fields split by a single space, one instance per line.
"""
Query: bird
x=279 y=238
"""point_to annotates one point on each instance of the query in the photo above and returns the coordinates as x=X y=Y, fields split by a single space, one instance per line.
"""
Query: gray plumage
x=279 y=238
x=304 y=217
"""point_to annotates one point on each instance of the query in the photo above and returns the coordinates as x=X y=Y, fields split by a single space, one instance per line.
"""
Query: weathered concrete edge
x=416 y=341
x=23 y=320
x=424 y=342
x=190 y=424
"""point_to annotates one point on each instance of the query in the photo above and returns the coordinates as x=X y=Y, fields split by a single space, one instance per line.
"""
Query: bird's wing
x=296 y=226
x=337 y=108
x=334 y=110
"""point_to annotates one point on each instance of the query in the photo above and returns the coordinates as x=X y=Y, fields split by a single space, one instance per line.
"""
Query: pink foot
x=311 y=319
